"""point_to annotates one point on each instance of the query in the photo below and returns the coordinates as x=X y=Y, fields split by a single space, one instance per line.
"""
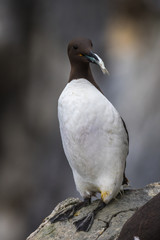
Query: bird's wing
x=125 y=129
x=125 y=180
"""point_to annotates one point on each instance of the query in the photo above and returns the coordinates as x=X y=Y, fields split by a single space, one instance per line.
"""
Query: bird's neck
x=82 y=71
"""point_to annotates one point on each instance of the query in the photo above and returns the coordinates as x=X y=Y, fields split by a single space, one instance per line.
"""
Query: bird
x=145 y=222
x=94 y=135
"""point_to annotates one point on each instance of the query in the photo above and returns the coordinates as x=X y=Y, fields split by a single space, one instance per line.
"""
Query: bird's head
x=80 y=52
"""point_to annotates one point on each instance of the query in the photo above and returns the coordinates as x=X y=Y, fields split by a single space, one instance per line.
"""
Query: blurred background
x=34 y=69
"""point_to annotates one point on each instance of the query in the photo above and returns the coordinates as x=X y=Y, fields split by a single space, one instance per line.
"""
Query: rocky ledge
x=108 y=222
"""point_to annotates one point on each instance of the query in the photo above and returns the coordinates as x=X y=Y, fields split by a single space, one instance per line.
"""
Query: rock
x=108 y=222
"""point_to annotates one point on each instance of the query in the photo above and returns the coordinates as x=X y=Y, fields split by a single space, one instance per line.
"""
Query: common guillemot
x=94 y=136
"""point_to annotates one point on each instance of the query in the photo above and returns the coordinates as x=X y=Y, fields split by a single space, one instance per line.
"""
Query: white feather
x=93 y=137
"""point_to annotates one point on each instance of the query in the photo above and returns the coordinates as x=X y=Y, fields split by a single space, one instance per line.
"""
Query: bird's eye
x=75 y=47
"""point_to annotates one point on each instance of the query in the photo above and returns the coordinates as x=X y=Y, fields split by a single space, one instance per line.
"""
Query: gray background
x=34 y=69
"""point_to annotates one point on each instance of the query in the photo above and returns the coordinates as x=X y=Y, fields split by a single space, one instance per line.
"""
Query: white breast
x=93 y=137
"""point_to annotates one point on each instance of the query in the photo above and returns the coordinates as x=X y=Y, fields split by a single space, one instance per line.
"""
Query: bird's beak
x=94 y=58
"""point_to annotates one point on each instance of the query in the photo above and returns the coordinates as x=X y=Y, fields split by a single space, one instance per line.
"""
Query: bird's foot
x=85 y=223
x=69 y=213
x=63 y=215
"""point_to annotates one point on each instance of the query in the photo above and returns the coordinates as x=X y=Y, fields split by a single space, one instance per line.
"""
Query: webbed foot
x=69 y=213
x=63 y=215
x=85 y=223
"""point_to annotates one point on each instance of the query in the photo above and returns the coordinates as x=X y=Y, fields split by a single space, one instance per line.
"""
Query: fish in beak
x=94 y=58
